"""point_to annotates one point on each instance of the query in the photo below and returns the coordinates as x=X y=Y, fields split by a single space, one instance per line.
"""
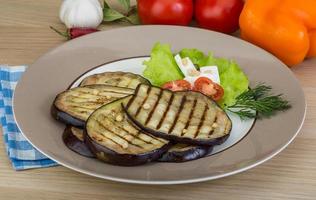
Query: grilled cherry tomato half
x=179 y=85
x=209 y=88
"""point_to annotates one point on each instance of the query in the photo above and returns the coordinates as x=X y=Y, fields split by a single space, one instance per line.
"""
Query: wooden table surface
x=25 y=35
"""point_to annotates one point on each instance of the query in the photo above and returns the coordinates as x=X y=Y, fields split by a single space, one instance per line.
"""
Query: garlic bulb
x=81 y=13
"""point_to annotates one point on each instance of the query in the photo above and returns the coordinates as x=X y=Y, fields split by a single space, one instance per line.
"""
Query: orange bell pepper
x=286 y=28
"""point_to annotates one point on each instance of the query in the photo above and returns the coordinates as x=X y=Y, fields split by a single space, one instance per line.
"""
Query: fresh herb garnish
x=258 y=102
x=129 y=14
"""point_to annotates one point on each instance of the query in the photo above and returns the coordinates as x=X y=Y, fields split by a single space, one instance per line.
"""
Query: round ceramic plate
x=251 y=142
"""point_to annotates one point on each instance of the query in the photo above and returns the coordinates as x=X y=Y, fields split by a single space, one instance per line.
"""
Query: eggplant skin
x=109 y=156
x=66 y=118
x=75 y=144
x=192 y=153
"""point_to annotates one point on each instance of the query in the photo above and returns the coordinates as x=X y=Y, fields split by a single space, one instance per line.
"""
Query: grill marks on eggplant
x=129 y=127
x=128 y=135
x=158 y=110
x=165 y=111
x=109 y=127
x=188 y=117
x=149 y=92
x=177 y=113
x=80 y=102
x=201 y=121
x=119 y=79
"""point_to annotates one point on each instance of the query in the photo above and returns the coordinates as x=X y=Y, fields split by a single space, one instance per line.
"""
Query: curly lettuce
x=162 y=67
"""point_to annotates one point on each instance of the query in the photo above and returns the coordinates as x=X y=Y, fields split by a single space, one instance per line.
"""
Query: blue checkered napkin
x=21 y=153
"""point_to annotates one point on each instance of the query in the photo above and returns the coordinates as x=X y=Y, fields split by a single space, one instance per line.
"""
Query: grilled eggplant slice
x=119 y=79
x=184 y=153
x=183 y=117
x=114 y=139
x=73 y=139
x=74 y=106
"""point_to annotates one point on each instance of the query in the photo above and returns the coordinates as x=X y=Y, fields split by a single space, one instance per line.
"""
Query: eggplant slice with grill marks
x=114 y=139
x=183 y=117
x=183 y=153
x=73 y=139
x=74 y=106
x=119 y=79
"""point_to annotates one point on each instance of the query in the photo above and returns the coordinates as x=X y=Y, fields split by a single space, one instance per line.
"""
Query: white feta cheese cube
x=211 y=72
x=186 y=66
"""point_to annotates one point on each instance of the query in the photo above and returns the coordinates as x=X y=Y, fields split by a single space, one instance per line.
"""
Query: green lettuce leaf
x=197 y=57
x=233 y=79
x=162 y=67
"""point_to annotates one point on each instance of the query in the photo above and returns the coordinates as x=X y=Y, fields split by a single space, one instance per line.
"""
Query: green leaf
x=161 y=67
x=105 y=5
x=196 y=56
x=133 y=19
x=110 y=15
x=126 y=4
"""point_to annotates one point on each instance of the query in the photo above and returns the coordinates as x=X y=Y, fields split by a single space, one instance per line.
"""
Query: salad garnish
x=162 y=68
x=219 y=78
x=258 y=102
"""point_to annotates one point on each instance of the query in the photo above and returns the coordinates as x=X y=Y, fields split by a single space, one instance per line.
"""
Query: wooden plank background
x=25 y=36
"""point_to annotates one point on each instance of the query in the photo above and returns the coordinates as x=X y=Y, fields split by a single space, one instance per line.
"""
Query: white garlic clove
x=81 y=13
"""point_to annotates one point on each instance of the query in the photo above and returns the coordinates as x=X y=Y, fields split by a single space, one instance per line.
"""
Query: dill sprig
x=258 y=102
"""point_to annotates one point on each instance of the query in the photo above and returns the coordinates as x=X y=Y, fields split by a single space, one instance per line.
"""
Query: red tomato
x=170 y=12
x=179 y=85
x=218 y=15
x=209 y=88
